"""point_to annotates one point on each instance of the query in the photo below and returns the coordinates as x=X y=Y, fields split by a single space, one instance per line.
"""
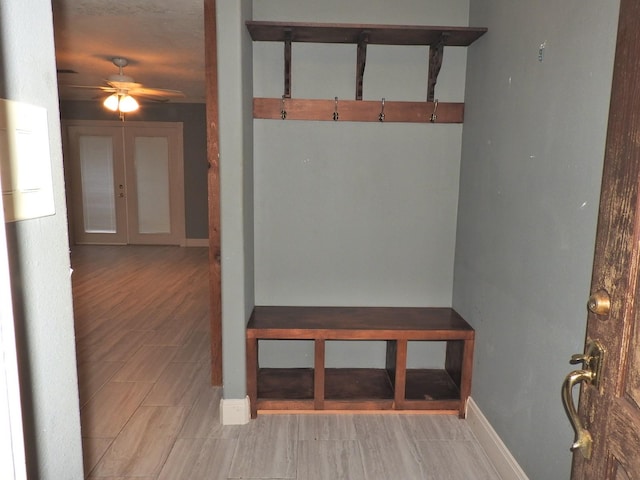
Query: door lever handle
x=583 y=441
x=591 y=372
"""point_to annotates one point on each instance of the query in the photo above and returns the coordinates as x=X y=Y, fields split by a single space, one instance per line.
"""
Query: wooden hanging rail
x=287 y=108
x=357 y=110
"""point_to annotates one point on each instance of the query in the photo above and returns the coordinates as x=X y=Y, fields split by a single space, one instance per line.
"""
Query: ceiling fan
x=122 y=88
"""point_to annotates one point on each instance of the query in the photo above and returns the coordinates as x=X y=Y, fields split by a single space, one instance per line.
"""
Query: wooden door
x=611 y=411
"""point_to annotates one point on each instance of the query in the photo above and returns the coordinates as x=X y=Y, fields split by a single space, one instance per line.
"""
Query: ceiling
x=163 y=40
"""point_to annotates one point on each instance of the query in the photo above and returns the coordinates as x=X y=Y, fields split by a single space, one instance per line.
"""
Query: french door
x=127 y=182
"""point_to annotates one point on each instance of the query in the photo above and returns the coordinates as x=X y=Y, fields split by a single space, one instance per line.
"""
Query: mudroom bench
x=394 y=387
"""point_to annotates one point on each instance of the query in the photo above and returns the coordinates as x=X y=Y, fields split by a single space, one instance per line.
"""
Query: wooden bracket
x=363 y=39
x=287 y=64
x=436 y=53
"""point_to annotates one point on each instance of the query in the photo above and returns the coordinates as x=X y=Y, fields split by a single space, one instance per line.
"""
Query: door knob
x=592 y=360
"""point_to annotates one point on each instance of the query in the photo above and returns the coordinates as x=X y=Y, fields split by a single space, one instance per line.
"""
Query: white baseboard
x=196 y=242
x=235 y=411
x=496 y=450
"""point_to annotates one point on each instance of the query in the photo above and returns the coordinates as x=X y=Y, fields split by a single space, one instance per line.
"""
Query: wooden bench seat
x=394 y=387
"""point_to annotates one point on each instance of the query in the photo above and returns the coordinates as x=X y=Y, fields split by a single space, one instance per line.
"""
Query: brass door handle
x=583 y=441
x=592 y=360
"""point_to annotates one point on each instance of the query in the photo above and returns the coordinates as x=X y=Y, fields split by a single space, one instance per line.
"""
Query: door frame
x=12 y=438
x=213 y=158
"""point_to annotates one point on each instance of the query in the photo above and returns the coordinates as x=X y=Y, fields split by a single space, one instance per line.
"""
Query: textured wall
x=532 y=155
x=39 y=260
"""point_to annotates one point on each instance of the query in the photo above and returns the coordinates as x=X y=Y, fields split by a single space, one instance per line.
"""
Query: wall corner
x=500 y=456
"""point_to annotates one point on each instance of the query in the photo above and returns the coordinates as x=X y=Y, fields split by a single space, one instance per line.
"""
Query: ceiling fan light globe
x=128 y=104
x=111 y=102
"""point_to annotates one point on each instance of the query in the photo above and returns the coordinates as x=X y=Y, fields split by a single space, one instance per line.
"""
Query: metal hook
x=336 y=116
x=381 y=116
x=434 y=117
x=283 y=112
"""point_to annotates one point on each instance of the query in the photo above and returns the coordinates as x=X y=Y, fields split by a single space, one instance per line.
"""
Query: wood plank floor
x=148 y=411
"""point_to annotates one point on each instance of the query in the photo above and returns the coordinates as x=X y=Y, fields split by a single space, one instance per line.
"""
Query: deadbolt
x=599 y=303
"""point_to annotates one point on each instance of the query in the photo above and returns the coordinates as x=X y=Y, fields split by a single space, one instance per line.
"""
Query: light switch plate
x=25 y=161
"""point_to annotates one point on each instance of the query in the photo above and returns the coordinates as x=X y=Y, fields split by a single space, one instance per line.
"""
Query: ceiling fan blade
x=151 y=98
x=156 y=92
x=128 y=86
x=90 y=87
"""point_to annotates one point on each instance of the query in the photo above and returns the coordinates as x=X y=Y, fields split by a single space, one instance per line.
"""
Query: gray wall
x=236 y=190
x=39 y=260
x=355 y=213
x=532 y=155
x=192 y=116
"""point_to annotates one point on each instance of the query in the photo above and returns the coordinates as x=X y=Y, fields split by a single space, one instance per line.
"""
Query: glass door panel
x=155 y=181
x=96 y=175
x=98 y=201
x=152 y=184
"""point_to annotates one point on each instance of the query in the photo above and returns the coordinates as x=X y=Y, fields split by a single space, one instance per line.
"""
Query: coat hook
x=434 y=117
x=283 y=111
x=335 y=111
x=381 y=116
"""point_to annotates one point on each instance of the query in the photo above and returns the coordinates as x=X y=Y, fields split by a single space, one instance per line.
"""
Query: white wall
x=355 y=213
x=39 y=260
x=532 y=155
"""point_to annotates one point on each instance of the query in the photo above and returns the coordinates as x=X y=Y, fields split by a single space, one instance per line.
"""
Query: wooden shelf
x=430 y=384
x=357 y=384
x=353 y=323
x=436 y=38
x=392 y=388
x=285 y=383
x=353 y=33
